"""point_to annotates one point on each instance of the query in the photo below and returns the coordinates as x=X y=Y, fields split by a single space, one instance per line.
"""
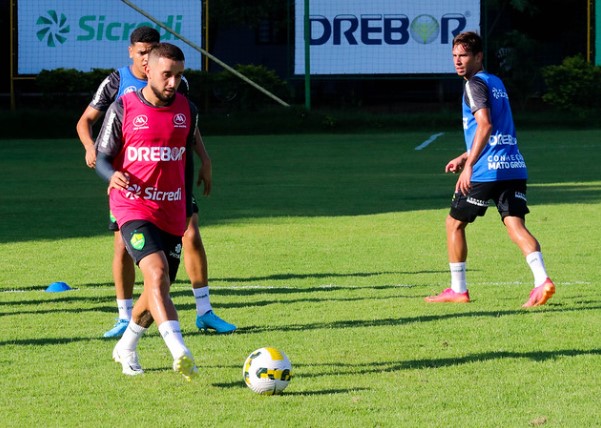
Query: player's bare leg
x=543 y=286
x=457 y=251
x=155 y=304
x=124 y=273
x=195 y=262
x=124 y=276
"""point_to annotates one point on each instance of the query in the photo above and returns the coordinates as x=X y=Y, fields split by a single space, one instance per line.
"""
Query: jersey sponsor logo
x=502 y=140
x=496 y=162
x=140 y=122
x=153 y=194
x=129 y=89
x=155 y=154
x=499 y=93
x=133 y=191
x=179 y=120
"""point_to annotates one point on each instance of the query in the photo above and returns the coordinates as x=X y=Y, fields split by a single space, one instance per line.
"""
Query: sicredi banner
x=87 y=34
x=382 y=36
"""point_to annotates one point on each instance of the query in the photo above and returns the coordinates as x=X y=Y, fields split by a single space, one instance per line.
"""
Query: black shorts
x=114 y=227
x=509 y=196
x=142 y=238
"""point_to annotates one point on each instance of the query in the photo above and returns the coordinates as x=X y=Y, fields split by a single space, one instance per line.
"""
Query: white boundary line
x=429 y=141
x=295 y=288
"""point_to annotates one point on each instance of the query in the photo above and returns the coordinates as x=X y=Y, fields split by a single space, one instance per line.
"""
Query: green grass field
x=322 y=246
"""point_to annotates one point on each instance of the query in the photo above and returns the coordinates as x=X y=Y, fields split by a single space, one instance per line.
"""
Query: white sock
x=133 y=333
x=458 y=283
x=125 y=307
x=172 y=335
x=203 y=303
x=537 y=265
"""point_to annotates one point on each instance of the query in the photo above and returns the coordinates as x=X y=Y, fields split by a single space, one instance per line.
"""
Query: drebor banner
x=382 y=36
x=87 y=34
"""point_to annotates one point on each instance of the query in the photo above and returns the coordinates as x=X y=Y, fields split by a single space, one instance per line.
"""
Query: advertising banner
x=382 y=36
x=88 y=34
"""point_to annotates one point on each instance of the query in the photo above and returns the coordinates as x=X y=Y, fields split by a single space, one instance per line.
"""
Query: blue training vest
x=128 y=82
x=501 y=159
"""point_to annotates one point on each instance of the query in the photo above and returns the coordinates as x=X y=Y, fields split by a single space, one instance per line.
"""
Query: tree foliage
x=575 y=85
x=245 y=12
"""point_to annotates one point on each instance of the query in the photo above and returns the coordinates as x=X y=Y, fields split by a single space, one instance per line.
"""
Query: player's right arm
x=109 y=144
x=84 y=130
x=103 y=97
x=456 y=165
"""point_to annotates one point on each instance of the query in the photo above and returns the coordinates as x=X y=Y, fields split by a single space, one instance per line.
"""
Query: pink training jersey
x=154 y=156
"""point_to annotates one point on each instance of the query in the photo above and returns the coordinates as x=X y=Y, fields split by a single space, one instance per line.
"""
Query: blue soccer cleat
x=211 y=321
x=118 y=329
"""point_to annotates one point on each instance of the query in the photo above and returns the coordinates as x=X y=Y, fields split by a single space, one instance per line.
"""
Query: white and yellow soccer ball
x=267 y=371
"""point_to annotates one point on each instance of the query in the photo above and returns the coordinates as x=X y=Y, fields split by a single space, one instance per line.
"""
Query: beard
x=163 y=96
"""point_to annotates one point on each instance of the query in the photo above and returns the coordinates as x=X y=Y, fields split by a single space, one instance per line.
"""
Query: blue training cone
x=57 y=287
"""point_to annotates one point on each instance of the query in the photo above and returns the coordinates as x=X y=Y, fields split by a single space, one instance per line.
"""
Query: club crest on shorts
x=137 y=241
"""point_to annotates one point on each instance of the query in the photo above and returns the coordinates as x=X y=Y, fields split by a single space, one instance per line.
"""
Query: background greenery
x=323 y=246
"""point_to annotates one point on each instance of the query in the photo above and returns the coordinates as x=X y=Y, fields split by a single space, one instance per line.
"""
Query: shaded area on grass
x=50 y=194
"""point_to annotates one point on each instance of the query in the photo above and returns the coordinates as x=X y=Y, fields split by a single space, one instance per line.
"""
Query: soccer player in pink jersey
x=144 y=154
x=118 y=83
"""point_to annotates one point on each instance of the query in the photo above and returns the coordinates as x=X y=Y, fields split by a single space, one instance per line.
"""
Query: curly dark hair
x=144 y=35
x=470 y=40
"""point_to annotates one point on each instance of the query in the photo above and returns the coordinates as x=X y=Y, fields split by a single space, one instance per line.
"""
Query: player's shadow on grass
x=254 y=329
x=284 y=289
x=261 y=303
x=346 y=324
x=240 y=384
x=436 y=363
x=296 y=276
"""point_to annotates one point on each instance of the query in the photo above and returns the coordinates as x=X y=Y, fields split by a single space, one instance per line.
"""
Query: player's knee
x=453 y=224
x=157 y=277
x=192 y=239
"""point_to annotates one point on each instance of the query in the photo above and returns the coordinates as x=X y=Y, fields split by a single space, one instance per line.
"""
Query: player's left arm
x=481 y=138
x=480 y=107
x=205 y=173
x=189 y=168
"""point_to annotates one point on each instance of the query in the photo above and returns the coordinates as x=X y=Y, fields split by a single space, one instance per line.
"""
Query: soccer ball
x=267 y=371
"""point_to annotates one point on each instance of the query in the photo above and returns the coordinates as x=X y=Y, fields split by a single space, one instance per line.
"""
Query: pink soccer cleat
x=449 y=296
x=539 y=295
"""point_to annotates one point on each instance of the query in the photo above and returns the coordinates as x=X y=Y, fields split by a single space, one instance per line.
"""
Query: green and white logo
x=137 y=241
x=90 y=34
x=53 y=28
x=424 y=29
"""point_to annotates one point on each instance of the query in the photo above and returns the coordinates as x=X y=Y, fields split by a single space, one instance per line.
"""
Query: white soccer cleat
x=185 y=366
x=129 y=361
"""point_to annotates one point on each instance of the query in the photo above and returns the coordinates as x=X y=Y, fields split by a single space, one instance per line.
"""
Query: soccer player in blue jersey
x=119 y=82
x=492 y=168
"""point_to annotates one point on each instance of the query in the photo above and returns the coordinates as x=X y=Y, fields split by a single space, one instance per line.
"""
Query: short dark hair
x=144 y=34
x=470 y=40
x=167 y=50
